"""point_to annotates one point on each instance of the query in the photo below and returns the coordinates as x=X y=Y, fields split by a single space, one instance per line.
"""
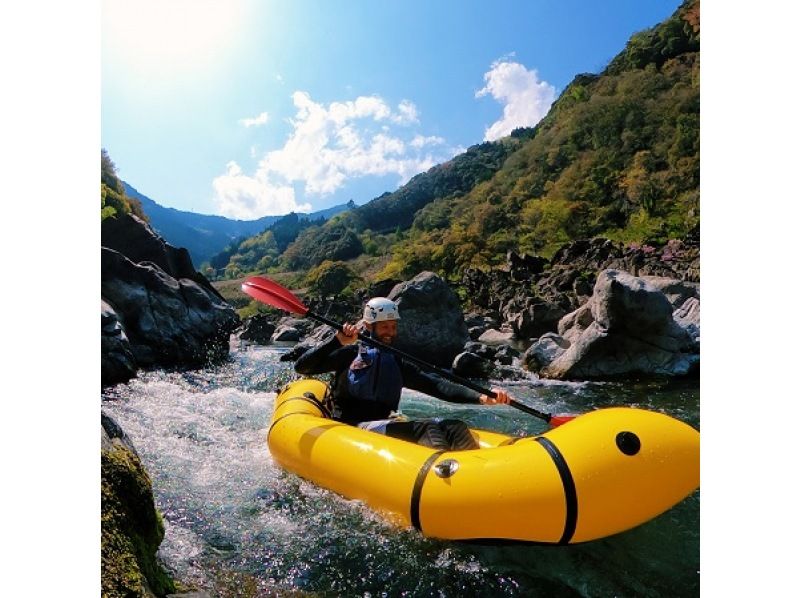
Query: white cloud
x=328 y=146
x=526 y=99
x=259 y=120
x=421 y=141
x=407 y=113
x=247 y=198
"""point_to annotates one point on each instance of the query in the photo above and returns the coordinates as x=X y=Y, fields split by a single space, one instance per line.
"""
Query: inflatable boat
x=600 y=474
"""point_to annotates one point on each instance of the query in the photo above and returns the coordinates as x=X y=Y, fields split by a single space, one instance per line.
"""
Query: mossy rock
x=131 y=528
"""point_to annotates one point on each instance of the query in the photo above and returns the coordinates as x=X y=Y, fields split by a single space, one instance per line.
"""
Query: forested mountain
x=206 y=235
x=113 y=199
x=616 y=156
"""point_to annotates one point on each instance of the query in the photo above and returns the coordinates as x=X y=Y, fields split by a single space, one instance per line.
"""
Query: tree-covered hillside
x=113 y=199
x=617 y=156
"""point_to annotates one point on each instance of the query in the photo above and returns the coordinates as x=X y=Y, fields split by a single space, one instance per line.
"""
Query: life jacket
x=375 y=375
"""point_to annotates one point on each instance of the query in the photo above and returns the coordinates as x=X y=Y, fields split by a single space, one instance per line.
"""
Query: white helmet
x=379 y=309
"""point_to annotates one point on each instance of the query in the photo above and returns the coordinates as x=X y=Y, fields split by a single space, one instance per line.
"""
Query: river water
x=238 y=525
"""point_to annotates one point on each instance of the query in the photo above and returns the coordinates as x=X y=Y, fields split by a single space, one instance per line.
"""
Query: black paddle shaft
x=424 y=364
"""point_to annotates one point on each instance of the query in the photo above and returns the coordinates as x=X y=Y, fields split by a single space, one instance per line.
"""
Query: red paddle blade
x=270 y=292
x=557 y=420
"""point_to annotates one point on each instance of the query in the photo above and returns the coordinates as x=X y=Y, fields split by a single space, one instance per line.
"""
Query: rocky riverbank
x=596 y=310
x=155 y=311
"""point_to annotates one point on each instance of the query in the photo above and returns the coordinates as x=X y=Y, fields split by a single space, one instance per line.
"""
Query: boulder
x=505 y=355
x=626 y=328
x=687 y=317
x=258 y=330
x=137 y=241
x=320 y=335
x=470 y=365
x=131 y=528
x=531 y=316
x=480 y=349
x=431 y=323
x=167 y=321
x=117 y=363
x=544 y=351
x=676 y=291
x=495 y=338
x=291 y=329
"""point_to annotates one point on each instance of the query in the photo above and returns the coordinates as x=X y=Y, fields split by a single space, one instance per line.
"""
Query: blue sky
x=248 y=108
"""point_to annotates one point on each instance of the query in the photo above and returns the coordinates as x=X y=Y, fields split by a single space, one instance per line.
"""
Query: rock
x=136 y=240
x=477 y=324
x=131 y=528
x=258 y=329
x=291 y=329
x=544 y=351
x=627 y=328
x=676 y=291
x=117 y=363
x=168 y=321
x=687 y=317
x=505 y=355
x=530 y=316
x=494 y=337
x=431 y=323
x=480 y=349
x=320 y=335
x=523 y=267
x=470 y=365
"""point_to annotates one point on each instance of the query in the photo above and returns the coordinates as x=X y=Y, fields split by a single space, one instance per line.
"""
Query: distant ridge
x=204 y=235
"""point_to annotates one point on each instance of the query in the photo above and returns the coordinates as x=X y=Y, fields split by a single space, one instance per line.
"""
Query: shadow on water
x=237 y=525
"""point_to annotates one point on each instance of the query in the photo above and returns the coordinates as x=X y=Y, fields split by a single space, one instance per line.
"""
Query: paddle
x=270 y=292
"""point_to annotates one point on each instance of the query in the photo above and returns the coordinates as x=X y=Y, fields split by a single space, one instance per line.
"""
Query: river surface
x=238 y=525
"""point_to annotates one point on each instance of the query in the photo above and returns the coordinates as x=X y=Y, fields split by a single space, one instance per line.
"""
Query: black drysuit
x=332 y=356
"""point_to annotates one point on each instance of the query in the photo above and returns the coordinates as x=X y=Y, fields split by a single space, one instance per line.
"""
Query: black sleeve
x=436 y=386
x=328 y=357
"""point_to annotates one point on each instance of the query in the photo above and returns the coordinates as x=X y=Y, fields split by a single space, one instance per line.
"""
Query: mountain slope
x=206 y=235
x=616 y=156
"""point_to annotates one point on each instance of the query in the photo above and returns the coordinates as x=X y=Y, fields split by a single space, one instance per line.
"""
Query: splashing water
x=238 y=525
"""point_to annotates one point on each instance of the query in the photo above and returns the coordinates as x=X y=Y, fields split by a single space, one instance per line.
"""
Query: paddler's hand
x=502 y=397
x=348 y=334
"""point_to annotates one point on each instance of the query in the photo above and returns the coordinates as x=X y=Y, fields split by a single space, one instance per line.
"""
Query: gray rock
x=480 y=349
x=626 y=328
x=117 y=363
x=505 y=355
x=431 y=323
x=168 y=322
x=676 y=291
x=286 y=334
x=687 y=317
x=544 y=351
x=320 y=335
x=494 y=337
x=258 y=329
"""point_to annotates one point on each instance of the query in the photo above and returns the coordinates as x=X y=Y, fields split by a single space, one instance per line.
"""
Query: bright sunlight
x=168 y=37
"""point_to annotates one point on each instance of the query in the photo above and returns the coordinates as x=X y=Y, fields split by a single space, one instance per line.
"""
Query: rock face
x=158 y=311
x=258 y=329
x=131 y=528
x=431 y=323
x=530 y=294
x=626 y=328
x=117 y=363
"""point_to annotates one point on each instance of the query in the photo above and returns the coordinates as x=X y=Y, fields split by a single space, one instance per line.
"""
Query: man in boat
x=368 y=382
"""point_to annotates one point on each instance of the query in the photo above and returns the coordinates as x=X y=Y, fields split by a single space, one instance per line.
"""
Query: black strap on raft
x=570 y=494
x=308 y=397
x=416 y=493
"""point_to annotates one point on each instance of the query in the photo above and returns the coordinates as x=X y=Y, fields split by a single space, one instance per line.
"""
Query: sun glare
x=166 y=37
